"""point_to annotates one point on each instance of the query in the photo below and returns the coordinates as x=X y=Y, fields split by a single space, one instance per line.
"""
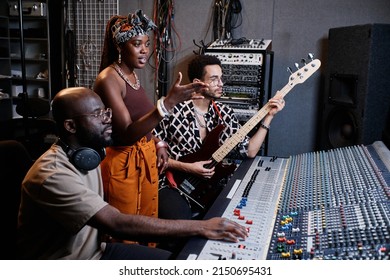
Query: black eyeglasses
x=104 y=115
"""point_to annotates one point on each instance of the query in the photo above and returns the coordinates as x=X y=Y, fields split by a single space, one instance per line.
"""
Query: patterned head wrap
x=134 y=25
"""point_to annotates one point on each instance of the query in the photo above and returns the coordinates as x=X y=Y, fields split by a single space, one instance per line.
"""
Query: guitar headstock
x=305 y=71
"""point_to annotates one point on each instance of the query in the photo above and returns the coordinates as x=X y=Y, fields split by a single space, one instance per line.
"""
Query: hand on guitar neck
x=198 y=168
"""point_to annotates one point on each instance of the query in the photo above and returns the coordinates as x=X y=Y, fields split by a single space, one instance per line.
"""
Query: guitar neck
x=297 y=77
x=233 y=141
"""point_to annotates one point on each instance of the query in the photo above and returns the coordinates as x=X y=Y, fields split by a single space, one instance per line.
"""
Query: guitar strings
x=196 y=180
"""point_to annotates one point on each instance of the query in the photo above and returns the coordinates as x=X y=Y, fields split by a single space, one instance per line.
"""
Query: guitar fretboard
x=298 y=77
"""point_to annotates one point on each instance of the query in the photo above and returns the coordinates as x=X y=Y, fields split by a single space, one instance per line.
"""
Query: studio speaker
x=357 y=86
x=386 y=132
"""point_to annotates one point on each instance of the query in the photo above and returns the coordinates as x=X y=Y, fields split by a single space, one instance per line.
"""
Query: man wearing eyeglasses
x=63 y=214
x=186 y=129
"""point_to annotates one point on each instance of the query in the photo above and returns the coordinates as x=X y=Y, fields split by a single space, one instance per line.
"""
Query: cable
x=201 y=47
x=226 y=17
x=233 y=17
x=167 y=42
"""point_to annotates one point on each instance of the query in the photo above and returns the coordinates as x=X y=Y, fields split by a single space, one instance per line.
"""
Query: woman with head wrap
x=132 y=164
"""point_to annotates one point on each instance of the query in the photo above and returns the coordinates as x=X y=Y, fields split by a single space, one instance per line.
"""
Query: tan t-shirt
x=56 y=203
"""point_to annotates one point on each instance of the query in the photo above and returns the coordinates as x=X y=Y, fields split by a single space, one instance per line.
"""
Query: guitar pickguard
x=203 y=191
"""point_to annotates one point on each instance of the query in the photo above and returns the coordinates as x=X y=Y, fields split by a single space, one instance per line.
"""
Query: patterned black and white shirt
x=181 y=131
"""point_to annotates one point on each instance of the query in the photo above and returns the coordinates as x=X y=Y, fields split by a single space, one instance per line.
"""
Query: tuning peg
x=296 y=65
x=303 y=61
x=289 y=70
x=310 y=56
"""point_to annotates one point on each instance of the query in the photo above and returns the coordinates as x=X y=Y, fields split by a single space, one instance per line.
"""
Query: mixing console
x=322 y=205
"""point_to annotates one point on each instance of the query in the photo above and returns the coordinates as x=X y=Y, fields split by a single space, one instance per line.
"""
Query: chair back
x=15 y=161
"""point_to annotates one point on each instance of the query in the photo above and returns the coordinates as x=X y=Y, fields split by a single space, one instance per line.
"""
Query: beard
x=211 y=94
x=92 y=139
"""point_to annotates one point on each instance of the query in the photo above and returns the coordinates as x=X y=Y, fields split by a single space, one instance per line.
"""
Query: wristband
x=264 y=126
x=161 y=144
x=162 y=110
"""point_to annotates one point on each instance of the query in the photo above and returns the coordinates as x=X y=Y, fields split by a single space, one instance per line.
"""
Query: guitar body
x=203 y=192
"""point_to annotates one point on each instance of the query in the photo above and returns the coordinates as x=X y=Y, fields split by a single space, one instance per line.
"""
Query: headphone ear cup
x=85 y=159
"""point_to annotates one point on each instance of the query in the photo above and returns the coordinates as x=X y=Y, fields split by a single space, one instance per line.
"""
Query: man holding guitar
x=194 y=130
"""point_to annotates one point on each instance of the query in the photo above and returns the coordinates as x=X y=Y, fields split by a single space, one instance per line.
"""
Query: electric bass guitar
x=202 y=192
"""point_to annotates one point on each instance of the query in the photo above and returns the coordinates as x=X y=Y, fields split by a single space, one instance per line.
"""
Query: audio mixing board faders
x=334 y=205
x=322 y=205
x=253 y=208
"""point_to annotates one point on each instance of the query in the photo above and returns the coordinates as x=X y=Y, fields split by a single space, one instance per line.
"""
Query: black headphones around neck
x=83 y=158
